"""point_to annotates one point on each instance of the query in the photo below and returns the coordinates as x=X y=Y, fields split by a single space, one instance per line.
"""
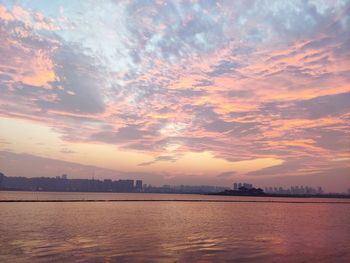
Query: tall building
x=138 y=185
x=320 y=190
x=108 y=185
x=1 y=179
x=248 y=186
x=235 y=186
x=125 y=185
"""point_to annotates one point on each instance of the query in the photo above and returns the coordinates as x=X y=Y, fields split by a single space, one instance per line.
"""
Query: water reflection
x=174 y=231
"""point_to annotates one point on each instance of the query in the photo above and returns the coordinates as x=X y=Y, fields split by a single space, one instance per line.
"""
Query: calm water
x=171 y=231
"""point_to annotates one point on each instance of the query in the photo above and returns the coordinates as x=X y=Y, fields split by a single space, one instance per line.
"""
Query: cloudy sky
x=177 y=91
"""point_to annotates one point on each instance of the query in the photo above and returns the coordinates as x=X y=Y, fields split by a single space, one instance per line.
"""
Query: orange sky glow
x=175 y=92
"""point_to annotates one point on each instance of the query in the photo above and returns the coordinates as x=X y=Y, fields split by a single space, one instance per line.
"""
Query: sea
x=142 y=227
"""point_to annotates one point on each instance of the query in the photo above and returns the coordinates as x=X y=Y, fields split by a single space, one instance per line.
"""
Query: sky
x=177 y=92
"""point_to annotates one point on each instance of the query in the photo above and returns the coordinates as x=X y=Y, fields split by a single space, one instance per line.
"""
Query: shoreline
x=339 y=196
x=237 y=194
x=172 y=200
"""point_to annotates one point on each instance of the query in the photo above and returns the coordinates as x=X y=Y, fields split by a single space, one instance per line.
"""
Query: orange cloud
x=5 y=15
x=42 y=71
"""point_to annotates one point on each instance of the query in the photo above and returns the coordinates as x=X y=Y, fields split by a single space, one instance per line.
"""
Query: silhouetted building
x=184 y=189
x=320 y=190
x=248 y=186
x=1 y=179
x=108 y=185
x=63 y=184
x=238 y=186
x=123 y=186
x=138 y=185
x=295 y=190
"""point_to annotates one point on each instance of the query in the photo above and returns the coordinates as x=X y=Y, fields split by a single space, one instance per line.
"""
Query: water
x=172 y=231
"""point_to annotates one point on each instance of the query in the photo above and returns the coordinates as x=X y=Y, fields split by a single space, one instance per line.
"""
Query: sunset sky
x=177 y=92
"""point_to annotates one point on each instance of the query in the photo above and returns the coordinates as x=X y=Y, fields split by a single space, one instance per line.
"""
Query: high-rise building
x=320 y=190
x=235 y=186
x=248 y=186
x=138 y=185
x=108 y=184
x=297 y=190
x=292 y=190
x=2 y=176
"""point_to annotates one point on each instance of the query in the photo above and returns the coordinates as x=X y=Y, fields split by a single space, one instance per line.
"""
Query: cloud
x=224 y=67
x=227 y=174
x=323 y=106
x=79 y=85
x=240 y=79
x=120 y=135
x=166 y=158
x=66 y=151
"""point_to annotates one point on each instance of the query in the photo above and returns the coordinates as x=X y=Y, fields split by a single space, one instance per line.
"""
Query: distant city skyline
x=172 y=92
x=65 y=184
x=21 y=165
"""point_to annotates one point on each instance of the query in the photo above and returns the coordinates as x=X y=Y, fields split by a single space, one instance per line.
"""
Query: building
x=123 y=186
x=108 y=184
x=320 y=190
x=2 y=176
x=295 y=190
x=58 y=183
x=138 y=185
x=235 y=186
x=247 y=186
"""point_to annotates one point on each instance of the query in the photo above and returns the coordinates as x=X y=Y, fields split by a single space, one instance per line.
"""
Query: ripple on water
x=174 y=231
